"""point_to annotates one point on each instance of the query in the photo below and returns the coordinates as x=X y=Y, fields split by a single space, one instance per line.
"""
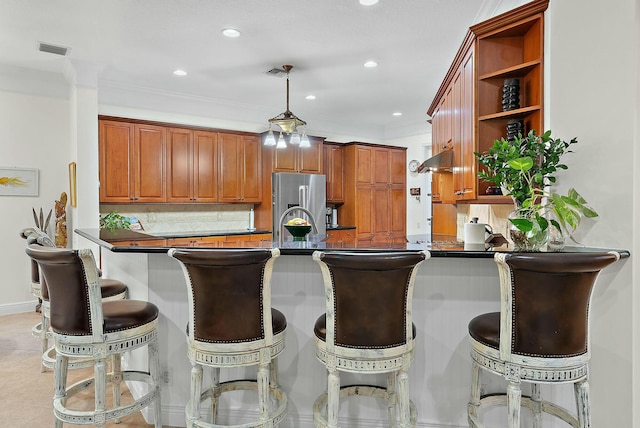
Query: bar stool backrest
x=545 y=302
x=34 y=235
x=229 y=293
x=370 y=295
x=74 y=290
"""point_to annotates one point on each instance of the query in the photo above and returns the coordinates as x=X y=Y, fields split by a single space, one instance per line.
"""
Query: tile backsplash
x=156 y=218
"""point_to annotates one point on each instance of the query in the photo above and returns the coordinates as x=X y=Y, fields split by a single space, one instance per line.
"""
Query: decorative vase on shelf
x=530 y=240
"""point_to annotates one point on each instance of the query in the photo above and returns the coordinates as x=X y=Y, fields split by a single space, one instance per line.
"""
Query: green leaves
x=113 y=221
x=526 y=166
x=521 y=164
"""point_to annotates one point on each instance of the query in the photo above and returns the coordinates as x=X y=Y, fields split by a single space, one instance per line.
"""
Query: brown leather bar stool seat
x=367 y=329
x=110 y=289
x=232 y=325
x=540 y=336
x=86 y=327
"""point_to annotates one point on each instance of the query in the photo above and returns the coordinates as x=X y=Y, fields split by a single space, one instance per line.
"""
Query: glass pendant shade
x=304 y=142
x=270 y=140
x=295 y=139
x=281 y=144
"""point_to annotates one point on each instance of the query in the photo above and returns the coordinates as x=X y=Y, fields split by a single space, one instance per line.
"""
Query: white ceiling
x=136 y=44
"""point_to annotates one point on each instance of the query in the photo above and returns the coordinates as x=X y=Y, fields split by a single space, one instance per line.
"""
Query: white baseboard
x=174 y=416
x=18 y=308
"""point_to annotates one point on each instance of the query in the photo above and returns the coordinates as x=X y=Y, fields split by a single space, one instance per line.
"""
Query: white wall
x=590 y=83
x=35 y=134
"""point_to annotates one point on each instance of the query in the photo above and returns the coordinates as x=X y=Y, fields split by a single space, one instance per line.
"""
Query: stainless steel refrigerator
x=308 y=191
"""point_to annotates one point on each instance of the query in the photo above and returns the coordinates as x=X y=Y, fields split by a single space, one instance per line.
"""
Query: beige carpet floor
x=26 y=393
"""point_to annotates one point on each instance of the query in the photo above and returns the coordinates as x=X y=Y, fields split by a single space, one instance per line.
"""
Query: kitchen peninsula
x=451 y=288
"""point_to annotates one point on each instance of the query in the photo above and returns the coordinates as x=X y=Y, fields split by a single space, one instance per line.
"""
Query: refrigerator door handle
x=302 y=195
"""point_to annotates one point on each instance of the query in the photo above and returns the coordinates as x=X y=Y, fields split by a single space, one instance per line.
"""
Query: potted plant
x=524 y=167
x=113 y=221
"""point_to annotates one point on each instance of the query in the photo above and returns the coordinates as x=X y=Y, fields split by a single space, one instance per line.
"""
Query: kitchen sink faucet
x=290 y=210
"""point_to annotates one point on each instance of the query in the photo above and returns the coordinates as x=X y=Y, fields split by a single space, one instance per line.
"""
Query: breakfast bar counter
x=451 y=288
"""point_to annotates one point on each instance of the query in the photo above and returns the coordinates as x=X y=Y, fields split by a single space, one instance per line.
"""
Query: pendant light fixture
x=288 y=124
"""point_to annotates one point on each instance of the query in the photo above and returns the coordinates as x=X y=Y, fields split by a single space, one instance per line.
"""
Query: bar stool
x=367 y=329
x=110 y=289
x=540 y=335
x=85 y=326
x=232 y=324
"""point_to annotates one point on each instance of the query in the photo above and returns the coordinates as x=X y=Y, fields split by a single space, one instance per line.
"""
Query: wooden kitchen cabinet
x=296 y=159
x=344 y=238
x=467 y=111
x=141 y=243
x=142 y=161
x=334 y=170
x=219 y=241
x=239 y=178
x=375 y=192
x=192 y=166
x=132 y=158
x=509 y=46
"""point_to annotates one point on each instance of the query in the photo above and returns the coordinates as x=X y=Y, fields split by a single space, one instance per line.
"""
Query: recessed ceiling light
x=231 y=32
x=397 y=113
x=179 y=72
x=368 y=2
x=310 y=97
x=370 y=64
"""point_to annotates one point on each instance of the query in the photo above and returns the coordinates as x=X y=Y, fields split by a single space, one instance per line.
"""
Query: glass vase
x=556 y=241
x=527 y=241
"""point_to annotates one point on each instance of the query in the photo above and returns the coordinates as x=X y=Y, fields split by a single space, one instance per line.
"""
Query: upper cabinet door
x=364 y=165
x=380 y=166
x=229 y=168
x=284 y=160
x=192 y=166
x=131 y=162
x=252 y=169
x=115 y=145
x=334 y=170
x=149 y=175
x=240 y=170
x=310 y=158
x=295 y=159
x=205 y=166
x=397 y=167
x=179 y=165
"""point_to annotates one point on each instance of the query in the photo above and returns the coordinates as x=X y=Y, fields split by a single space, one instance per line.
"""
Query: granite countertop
x=129 y=235
x=145 y=243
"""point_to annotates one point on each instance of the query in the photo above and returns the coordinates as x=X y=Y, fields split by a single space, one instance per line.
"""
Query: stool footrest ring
x=275 y=392
x=492 y=400
x=364 y=390
x=67 y=415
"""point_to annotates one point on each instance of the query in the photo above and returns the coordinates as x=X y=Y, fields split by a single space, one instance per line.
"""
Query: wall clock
x=413 y=165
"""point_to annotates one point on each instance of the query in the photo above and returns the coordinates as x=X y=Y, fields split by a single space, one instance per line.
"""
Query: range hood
x=442 y=162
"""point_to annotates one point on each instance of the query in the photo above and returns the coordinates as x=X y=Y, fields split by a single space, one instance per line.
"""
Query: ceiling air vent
x=49 y=48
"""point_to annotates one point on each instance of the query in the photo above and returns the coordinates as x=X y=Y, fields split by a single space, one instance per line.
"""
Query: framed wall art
x=18 y=181
x=72 y=185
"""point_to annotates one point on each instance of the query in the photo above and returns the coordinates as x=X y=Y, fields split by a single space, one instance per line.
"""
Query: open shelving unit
x=508 y=46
